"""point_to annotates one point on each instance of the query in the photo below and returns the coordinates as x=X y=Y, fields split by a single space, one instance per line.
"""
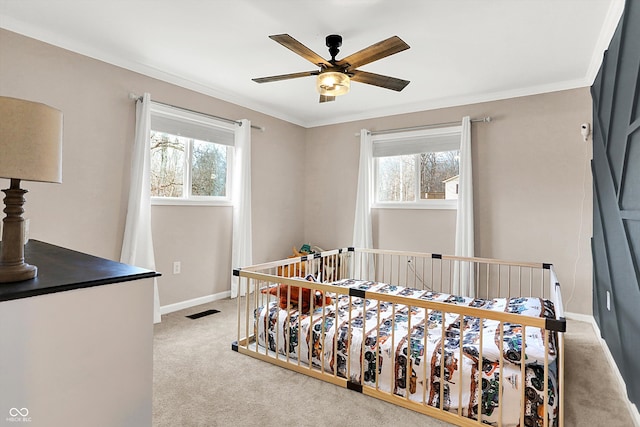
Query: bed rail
x=477 y=277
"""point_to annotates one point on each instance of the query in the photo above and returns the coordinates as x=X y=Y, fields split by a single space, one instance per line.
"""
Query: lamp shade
x=30 y=141
x=333 y=83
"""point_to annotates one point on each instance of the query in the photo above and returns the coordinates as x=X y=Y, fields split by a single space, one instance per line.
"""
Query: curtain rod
x=139 y=98
x=436 y=125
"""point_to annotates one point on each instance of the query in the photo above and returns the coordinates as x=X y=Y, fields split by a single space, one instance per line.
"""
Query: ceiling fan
x=334 y=76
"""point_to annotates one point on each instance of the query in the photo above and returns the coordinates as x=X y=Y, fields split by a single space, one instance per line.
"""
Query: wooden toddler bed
x=392 y=325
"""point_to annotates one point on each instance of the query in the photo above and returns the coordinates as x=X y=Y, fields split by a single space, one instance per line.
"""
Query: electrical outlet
x=176 y=267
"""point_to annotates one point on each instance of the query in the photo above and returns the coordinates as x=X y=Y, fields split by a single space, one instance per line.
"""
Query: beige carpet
x=200 y=381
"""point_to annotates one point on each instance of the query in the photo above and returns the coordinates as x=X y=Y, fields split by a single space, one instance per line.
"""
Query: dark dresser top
x=61 y=269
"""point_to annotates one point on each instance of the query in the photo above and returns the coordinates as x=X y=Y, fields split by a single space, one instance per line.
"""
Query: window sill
x=162 y=201
x=427 y=204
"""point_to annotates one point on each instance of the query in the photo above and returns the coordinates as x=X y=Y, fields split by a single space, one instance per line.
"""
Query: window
x=191 y=157
x=417 y=169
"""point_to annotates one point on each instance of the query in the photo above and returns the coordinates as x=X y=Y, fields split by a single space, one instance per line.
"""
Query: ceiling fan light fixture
x=333 y=83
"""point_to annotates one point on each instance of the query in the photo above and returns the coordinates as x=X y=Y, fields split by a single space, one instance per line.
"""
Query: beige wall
x=87 y=211
x=200 y=239
x=532 y=187
x=532 y=183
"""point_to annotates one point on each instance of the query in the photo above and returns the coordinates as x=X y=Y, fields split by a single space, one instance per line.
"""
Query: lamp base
x=12 y=265
x=17 y=273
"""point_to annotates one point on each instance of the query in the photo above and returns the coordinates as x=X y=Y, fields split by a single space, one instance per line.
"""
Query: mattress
x=411 y=361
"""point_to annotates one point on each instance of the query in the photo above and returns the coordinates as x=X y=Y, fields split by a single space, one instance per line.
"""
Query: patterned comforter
x=410 y=354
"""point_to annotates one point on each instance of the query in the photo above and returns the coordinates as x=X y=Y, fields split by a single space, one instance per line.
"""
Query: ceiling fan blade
x=294 y=45
x=326 y=98
x=379 y=80
x=374 y=52
x=285 y=76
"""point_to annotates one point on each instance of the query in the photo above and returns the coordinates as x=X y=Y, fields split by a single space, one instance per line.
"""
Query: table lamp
x=30 y=150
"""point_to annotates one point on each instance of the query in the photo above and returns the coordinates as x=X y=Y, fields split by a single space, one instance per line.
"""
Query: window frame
x=200 y=120
x=406 y=143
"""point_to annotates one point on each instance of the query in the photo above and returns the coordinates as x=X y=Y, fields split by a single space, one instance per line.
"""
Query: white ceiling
x=462 y=51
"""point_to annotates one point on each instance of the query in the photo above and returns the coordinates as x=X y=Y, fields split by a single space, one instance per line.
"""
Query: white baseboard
x=580 y=317
x=633 y=409
x=166 y=309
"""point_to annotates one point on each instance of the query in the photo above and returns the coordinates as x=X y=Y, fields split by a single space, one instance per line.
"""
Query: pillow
x=294 y=296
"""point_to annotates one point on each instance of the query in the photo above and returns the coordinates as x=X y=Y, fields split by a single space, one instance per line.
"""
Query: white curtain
x=463 y=281
x=241 y=250
x=362 y=228
x=137 y=244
